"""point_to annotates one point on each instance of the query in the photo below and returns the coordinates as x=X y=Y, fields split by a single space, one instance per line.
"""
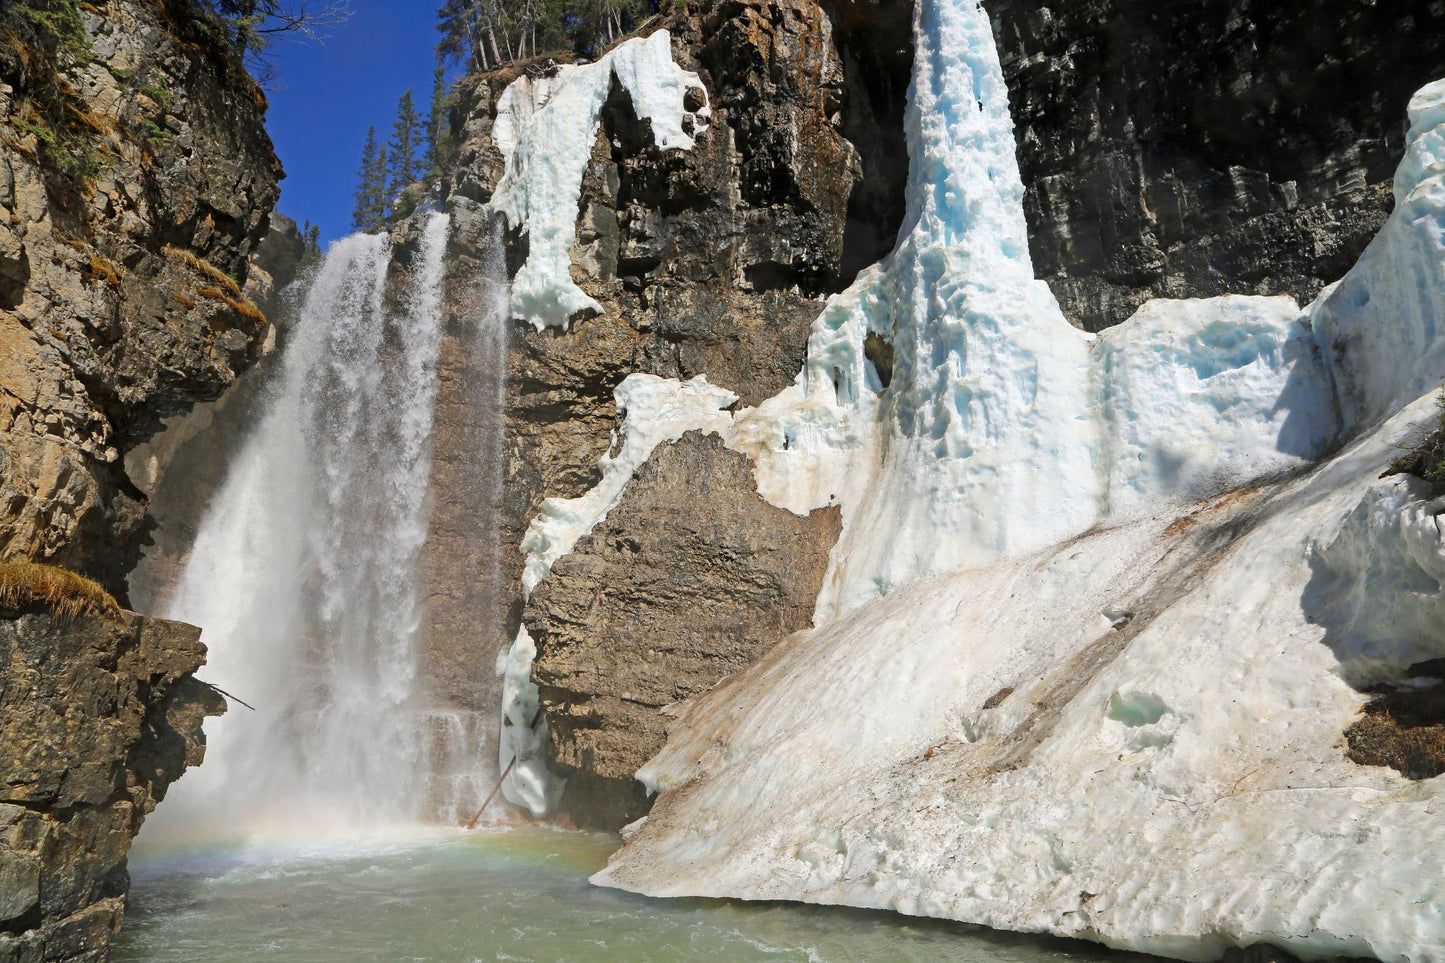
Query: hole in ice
x=879 y=350
x=1137 y=708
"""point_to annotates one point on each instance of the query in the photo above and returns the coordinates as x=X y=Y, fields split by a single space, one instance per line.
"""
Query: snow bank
x=545 y=129
x=1200 y=396
x=1164 y=774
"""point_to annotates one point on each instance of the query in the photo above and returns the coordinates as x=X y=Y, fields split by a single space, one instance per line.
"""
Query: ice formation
x=1044 y=693
x=1381 y=325
x=1004 y=428
x=545 y=129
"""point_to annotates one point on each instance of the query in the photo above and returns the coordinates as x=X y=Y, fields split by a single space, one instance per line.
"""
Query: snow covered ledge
x=545 y=129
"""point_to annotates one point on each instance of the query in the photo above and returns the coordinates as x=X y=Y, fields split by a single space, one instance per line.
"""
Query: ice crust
x=1053 y=526
x=545 y=129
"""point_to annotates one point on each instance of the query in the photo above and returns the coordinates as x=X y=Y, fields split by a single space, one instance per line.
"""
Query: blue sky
x=325 y=95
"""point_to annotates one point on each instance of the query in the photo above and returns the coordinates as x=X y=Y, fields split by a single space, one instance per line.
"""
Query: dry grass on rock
x=65 y=594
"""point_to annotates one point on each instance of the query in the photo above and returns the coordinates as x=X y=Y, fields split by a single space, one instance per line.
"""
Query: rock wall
x=120 y=284
x=98 y=716
x=1194 y=149
x=689 y=579
x=712 y=261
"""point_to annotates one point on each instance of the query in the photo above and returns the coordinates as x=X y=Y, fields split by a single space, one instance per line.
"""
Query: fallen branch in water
x=505 y=773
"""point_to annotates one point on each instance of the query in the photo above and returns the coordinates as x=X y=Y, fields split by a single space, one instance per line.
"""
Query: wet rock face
x=690 y=578
x=97 y=718
x=1193 y=149
x=120 y=299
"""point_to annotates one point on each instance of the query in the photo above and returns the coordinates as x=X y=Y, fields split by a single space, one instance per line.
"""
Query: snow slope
x=1043 y=693
x=1165 y=775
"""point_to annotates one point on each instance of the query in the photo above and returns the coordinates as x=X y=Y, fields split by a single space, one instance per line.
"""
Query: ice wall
x=1381 y=326
x=545 y=129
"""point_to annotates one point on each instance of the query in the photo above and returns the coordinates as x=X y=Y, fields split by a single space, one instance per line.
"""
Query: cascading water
x=303 y=573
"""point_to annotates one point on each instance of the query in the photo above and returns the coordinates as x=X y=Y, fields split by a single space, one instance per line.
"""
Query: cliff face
x=136 y=180
x=120 y=272
x=98 y=717
x=692 y=577
x=708 y=262
x=1190 y=150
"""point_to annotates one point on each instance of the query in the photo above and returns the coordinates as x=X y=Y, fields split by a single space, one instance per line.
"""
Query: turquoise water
x=497 y=895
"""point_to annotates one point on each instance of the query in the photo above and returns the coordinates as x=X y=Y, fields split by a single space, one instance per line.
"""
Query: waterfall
x=303 y=575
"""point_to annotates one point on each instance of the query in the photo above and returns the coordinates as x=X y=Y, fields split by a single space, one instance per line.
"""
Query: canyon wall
x=136 y=179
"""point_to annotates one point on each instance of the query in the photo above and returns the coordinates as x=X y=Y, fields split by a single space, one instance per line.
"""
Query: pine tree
x=436 y=125
x=311 y=243
x=408 y=133
x=369 y=212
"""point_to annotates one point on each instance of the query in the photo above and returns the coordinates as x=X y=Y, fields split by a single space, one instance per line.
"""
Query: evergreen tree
x=408 y=134
x=311 y=243
x=369 y=211
x=436 y=125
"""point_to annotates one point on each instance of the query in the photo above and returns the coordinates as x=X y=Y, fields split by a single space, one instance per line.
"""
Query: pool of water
x=519 y=894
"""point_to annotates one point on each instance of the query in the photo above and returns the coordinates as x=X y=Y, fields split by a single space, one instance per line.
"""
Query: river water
x=500 y=894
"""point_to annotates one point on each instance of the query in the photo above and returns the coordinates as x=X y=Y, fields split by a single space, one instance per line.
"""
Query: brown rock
x=690 y=578
x=98 y=716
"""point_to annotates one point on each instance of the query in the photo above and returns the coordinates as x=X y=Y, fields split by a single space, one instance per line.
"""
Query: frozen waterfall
x=1083 y=661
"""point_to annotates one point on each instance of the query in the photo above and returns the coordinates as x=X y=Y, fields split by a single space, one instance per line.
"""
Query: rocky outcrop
x=689 y=579
x=98 y=716
x=1226 y=146
x=711 y=261
x=120 y=268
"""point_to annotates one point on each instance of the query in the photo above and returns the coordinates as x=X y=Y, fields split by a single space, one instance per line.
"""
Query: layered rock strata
x=121 y=298
x=98 y=716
